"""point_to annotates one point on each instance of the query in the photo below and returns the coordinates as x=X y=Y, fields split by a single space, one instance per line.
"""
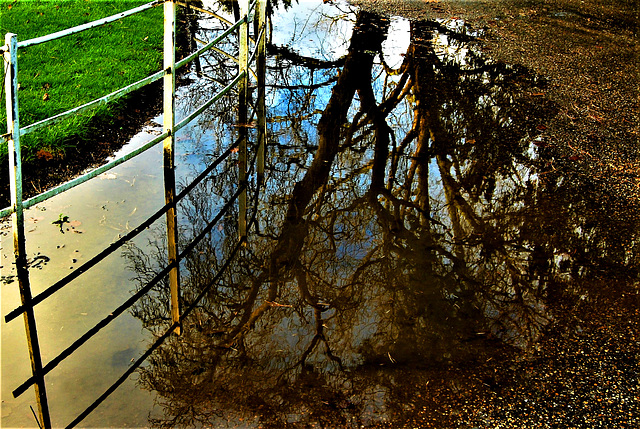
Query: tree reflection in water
x=413 y=219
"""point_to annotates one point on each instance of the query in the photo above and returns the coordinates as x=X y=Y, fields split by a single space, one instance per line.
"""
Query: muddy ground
x=45 y=173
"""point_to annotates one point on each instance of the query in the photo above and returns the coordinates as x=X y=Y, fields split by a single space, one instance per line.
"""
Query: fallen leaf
x=44 y=154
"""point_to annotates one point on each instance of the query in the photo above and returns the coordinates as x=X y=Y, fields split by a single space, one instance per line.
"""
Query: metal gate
x=251 y=51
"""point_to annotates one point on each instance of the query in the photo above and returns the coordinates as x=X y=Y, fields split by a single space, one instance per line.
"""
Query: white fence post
x=243 y=67
x=169 y=155
x=261 y=67
x=19 y=245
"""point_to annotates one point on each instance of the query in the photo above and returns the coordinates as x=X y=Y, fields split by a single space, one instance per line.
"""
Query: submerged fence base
x=171 y=126
x=17 y=218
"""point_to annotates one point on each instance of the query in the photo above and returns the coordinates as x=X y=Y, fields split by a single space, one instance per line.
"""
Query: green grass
x=60 y=75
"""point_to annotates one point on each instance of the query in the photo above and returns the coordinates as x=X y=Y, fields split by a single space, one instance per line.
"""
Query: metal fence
x=247 y=55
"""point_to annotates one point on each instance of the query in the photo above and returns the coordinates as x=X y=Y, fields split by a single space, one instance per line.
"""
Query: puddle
x=413 y=220
x=415 y=223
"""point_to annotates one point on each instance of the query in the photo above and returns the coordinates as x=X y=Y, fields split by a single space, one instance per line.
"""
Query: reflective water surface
x=415 y=227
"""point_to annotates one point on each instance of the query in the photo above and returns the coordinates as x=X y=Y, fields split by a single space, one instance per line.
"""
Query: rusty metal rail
x=171 y=126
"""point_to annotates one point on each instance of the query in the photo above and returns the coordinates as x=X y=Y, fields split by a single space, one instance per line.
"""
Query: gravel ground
x=583 y=374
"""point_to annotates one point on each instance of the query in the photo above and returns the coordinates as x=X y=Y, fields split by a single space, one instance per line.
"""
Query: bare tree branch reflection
x=410 y=219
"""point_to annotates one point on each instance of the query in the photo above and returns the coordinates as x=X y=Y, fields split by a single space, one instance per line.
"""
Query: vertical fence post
x=243 y=58
x=169 y=155
x=261 y=70
x=19 y=245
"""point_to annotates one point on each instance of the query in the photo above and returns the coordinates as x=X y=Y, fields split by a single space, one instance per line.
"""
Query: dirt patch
x=583 y=374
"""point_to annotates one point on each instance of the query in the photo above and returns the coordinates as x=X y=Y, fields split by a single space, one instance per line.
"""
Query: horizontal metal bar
x=188 y=248
x=86 y=266
x=255 y=48
x=205 y=11
x=238 y=245
x=206 y=171
x=6 y=212
x=231 y=57
x=206 y=105
x=252 y=7
x=81 y=179
x=95 y=103
x=205 y=290
x=93 y=331
x=208 y=12
x=166 y=334
x=87 y=26
x=209 y=45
